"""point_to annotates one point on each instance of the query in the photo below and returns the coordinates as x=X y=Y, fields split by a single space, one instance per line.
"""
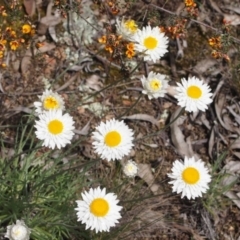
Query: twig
x=65 y=85
x=104 y=60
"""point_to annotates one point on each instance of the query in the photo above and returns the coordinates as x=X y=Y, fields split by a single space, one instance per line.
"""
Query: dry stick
x=146 y=68
x=193 y=20
x=104 y=60
x=129 y=109
x=65 y=85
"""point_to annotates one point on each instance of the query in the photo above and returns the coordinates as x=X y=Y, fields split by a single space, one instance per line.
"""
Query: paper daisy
x=126 y=28
x=190 y=177
x=18 y=231
x=193 y=94
x=152 y=42
x=54 y=128
x=112 y=140
x=98 y=210
x=49 y=101
x=130 y=169
x=155 y=85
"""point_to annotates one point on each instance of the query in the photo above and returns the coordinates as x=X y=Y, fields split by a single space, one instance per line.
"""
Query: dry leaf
x=47 y=21
x=84 y=131
x=45 y=48
x=177 y=136
x=180 y=8
x=205 y=121
x=30 y=7
x=145 y=172
x=151 y=145
x=171 y=90
x=204 y=65
x=51 y=29
x=219 y=103
x=215 y=6
x=26 y=60
x=236 y=116
x=235 y=9
x=211 y=142
x=233 y=20
x=52 y=32
x=143 y=117
x=94 y=82
x=220 y=84
x=235 y=144
x=234 y=197
x=231 y=171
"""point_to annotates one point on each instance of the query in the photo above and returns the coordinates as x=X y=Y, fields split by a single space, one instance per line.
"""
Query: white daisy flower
x=155 y=85
x=193 y=94
x=18 y=231
x=190 y=177
x=98 y=210
x=54 y=128
x=48 y=101
x=130 y=169
x=152 y=42
x=126 y=28
x=113 y=140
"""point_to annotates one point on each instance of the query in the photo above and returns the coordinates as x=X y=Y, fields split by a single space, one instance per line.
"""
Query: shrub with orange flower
x=14 y=45
x=191 y=7
x=130 y=50
x=190 y=3
x=215 y=42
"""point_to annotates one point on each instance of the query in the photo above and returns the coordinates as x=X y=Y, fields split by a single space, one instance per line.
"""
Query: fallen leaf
x=45 y=48
x=94 y=82
x=233 y=20
x=171 y=90
x=177 y=136
x=211 y=143
x=46 y=22
x=219 y=104
x=30 y=7
x=84 y=131
x=143 y=117
x=235 y=9
x=26 y=60
x=202 y=66
x=215 y=6
x=231 y=171
x=145 y=172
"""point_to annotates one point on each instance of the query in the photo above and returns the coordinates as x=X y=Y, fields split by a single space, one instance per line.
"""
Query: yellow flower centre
x=155 y=84
x=112 y=139
x=131 y=26
x=55 y=127
x=99 y=207
x=26 y=28
x=18 y=231
x=130 y=168
x=190 y=175
x=50 y=103
x=194 y=92
x=150 y=43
